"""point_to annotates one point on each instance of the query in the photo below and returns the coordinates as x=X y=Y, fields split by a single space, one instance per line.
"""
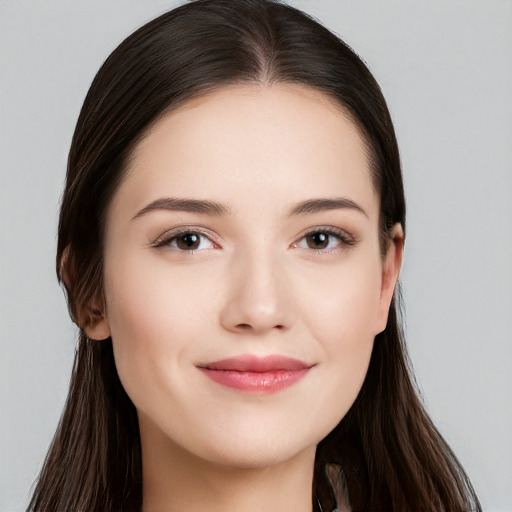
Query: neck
x=174 y=480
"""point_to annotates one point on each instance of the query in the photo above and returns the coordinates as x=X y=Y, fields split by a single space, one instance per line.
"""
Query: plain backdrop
x=446 y=70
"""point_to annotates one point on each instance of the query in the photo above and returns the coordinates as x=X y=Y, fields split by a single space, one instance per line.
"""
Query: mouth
x=257 y=375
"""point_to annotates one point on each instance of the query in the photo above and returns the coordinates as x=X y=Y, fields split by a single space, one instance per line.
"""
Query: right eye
x=185 y=241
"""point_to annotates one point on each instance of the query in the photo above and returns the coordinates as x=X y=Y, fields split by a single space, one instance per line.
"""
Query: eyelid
x=346 y=238
x=164 y=239
x=167 y=236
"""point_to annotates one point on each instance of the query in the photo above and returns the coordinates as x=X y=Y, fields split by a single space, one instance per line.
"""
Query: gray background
x=445 y=68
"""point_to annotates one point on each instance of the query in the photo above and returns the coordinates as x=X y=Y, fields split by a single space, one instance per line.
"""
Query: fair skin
x=241 y=272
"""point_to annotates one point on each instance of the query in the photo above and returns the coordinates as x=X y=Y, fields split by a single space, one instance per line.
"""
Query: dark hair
x=389 y=452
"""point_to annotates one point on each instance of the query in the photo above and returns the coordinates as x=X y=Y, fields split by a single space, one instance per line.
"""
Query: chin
x=258 y=455
x=260 y=446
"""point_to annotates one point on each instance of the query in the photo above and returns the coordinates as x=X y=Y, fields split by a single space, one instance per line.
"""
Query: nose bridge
x=258 y=298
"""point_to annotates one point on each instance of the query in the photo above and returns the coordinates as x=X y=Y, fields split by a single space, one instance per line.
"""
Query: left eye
x=322 y=240
x=188 y=241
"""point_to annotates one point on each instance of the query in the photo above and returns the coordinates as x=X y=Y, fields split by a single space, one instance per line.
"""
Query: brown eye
x=182 y=240
x=188 y=241
x=318 y=240
x=325 y=240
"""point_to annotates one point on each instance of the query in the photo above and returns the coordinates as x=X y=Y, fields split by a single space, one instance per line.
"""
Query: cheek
x=343 y=306
x=153 y=315
x=341 y=315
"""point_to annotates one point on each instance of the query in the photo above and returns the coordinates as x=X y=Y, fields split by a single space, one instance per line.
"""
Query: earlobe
x=89 y=317
x=390 y=272
x=93 y=320
x=95 y=324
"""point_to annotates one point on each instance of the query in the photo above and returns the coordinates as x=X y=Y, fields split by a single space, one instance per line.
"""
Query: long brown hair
x=388 y=451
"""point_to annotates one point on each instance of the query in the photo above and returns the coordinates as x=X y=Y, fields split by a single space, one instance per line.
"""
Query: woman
x=230 y=240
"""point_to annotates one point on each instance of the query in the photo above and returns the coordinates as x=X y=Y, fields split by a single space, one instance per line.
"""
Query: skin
x=256 y=284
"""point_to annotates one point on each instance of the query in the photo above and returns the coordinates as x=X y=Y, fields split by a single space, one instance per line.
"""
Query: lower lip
x=256 y=382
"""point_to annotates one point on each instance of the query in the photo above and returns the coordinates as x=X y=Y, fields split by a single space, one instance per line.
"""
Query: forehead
x=279 y=142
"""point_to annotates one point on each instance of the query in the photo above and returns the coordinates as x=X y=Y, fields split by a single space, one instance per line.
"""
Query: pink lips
x=254 y=374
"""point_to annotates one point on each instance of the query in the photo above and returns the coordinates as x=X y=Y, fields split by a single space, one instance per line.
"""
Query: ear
x=90 y=317
x=390 y=271
x=93 y=320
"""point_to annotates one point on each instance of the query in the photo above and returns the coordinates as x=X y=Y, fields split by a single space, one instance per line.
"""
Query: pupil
x=318 y=240
x=188 y=241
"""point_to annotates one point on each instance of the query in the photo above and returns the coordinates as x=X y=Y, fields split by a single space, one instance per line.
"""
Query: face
x=244 y=281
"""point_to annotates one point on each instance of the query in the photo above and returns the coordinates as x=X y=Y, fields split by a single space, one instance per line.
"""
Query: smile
x=258 y=375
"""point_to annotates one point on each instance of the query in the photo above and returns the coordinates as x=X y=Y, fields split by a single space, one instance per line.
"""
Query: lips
x=260 y=375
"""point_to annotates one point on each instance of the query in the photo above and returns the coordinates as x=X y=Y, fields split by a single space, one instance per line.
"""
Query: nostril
x=243 y=327
x=246 y=327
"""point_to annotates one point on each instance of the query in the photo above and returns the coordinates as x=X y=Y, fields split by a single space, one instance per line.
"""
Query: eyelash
x=345 y=239
x=168 y=237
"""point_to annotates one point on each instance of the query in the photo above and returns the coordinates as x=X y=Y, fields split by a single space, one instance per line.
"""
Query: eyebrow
x=325 y=204
x=184 y=205
x=214 y=208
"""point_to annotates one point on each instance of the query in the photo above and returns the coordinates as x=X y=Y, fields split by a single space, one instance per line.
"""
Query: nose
x=258 y=297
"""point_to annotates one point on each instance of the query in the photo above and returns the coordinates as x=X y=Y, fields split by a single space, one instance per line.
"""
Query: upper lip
x=257 y=364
